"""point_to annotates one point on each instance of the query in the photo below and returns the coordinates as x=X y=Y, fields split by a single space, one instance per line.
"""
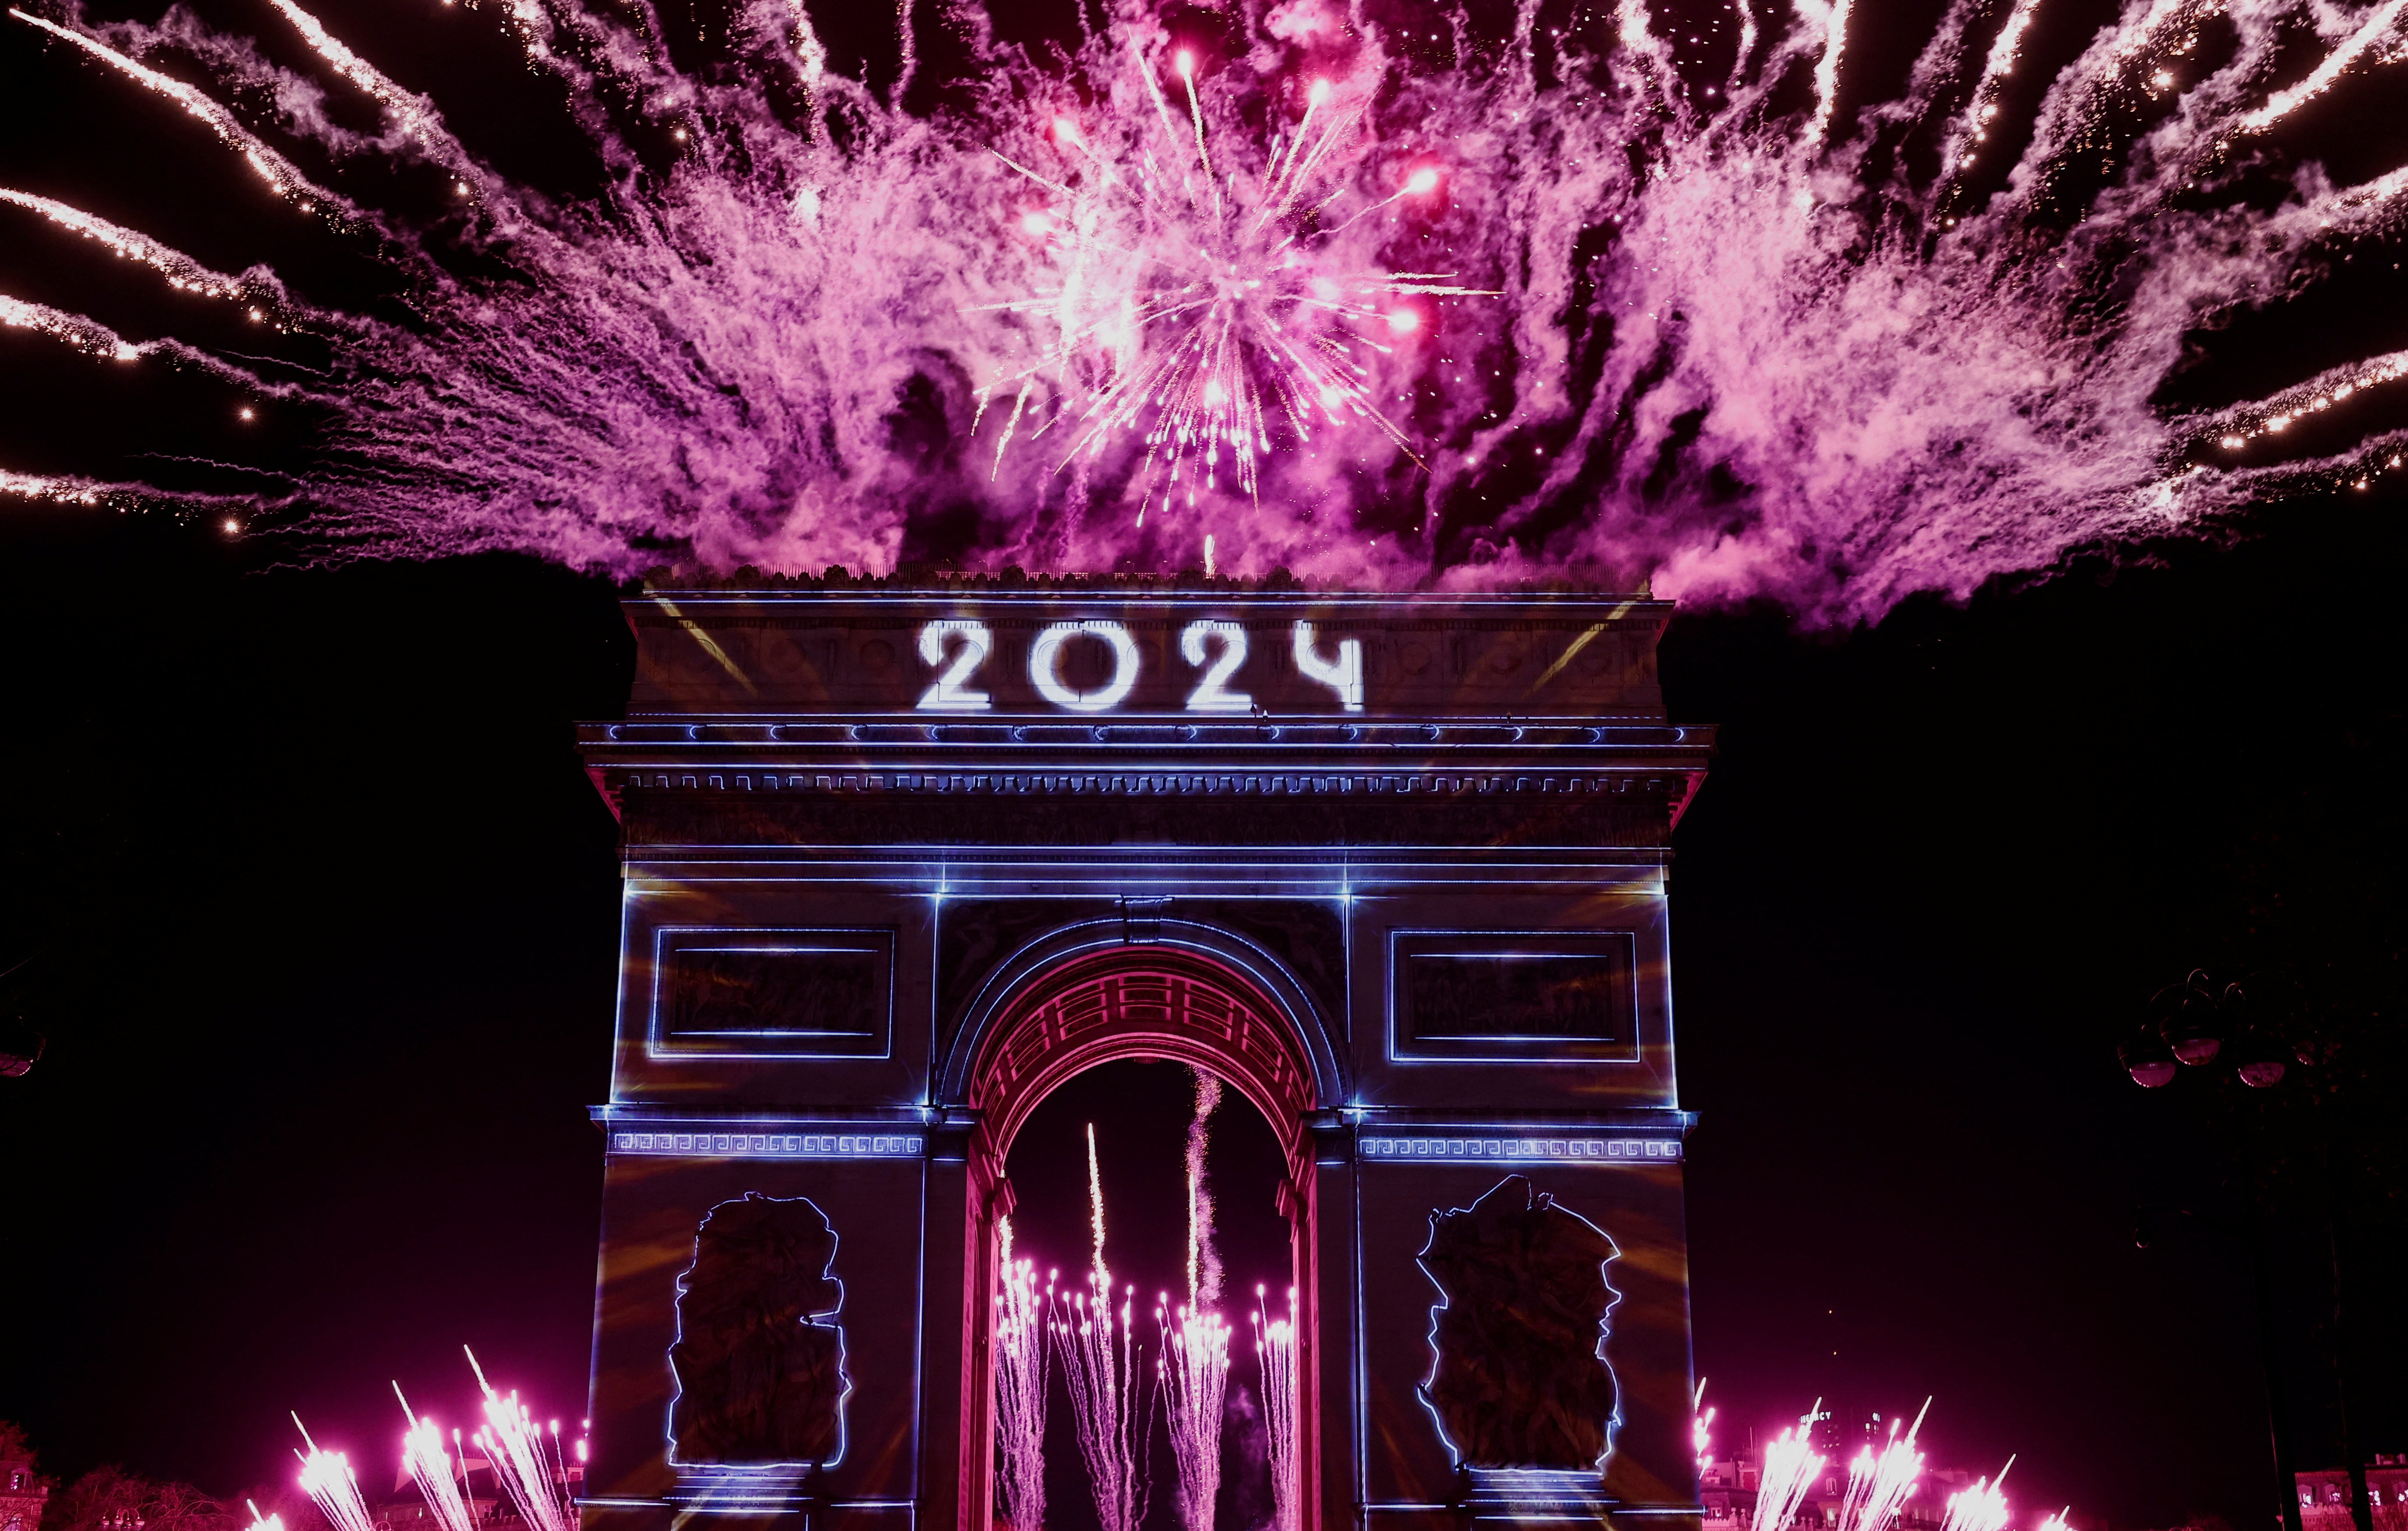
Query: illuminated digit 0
x=1045 y=665
x=1212 y=694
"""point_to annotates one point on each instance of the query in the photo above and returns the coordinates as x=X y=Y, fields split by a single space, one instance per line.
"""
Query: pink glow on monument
x=1734 y=352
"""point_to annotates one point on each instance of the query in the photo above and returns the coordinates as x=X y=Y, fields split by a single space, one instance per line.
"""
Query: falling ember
x=1275 y=1346
x=1020 y=1349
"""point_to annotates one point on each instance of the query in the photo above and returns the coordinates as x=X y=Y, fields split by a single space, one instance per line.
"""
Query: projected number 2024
x=957 y=648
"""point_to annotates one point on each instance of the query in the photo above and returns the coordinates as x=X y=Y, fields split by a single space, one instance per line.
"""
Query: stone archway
x=1154 y=1001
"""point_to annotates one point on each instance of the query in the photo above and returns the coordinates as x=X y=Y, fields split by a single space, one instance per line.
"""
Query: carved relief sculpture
x=1520 y=1378
x=759 y=1362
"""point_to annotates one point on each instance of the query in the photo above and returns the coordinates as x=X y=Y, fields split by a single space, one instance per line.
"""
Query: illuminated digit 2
x=1345 y=677
x=947 y=694
x=1045 y=665
x=1212 y=694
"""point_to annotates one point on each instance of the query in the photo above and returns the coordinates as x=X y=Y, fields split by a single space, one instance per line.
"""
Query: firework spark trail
x=1980 y=1507
x=430 y=1466
x=2383 y=20
x=183 y=273
x=534 y=1476
x=1791 y=1464
x=326 y=1477
x=1701 y=1440
x=1193 y=1367
x=1275 y=1347
x=74 y=329
x=1020 y=1327
x=1879 y=1484
x=282 y=176
x=1982 y=104
x=1097 y=1347
x=1726 y=355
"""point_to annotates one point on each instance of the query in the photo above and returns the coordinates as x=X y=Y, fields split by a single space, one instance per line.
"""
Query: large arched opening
x=1160 y=1002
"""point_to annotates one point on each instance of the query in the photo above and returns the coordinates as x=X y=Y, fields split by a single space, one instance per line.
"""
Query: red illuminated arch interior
x=1129 y=1002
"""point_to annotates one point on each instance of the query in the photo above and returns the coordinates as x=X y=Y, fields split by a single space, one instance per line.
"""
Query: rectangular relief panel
x=773 y=994
x=1513 y=997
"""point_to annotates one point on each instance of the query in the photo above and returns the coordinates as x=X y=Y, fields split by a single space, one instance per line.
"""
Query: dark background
x=319 y=914
x=322 y=918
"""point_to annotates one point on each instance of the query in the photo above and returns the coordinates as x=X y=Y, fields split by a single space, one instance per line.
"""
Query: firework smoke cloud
x=1458 y=297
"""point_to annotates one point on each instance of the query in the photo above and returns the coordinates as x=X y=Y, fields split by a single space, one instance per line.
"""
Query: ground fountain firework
x=1275 y=1347
x=1020 y=1351
x=1791 y=1466
x=1087 y=308
x=1880 y=1483
x=1096 y=1341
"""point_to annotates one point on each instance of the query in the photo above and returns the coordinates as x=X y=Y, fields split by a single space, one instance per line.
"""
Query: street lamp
x=2192 y=1024
x=2189 y=1027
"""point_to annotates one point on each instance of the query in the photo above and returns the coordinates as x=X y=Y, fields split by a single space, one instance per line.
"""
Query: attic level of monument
x=902 y=857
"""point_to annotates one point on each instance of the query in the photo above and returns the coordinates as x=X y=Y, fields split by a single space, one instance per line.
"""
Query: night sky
x=319 y=914
x=322 y=912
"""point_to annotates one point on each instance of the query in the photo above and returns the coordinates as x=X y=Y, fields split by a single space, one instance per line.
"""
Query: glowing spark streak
x=516 y=1447
x=1020 y=1389
x=1095 y=1208
x=1980 y=1507
x=1791 y=1464
x=2385 y=17
x=1746 y=46
x=36 y=486
x=415 y=115
x=1195 y=1369
x=327 y=1478
x=1275 y=1345
x=182 y=272
x=1195 y=115
x=1981 y=106
x=2335 y=385
x=1827 y=71
x=1880 y=1484
x=258 y=1521
x=429 y=1465
x=283 y=177
x=76 y=331
x=1098 y=1352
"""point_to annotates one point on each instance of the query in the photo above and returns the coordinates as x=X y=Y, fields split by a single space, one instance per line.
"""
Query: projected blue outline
x=761 y=1470
x=1605 y=1332
x=658 y=1051
x=1637 y=1045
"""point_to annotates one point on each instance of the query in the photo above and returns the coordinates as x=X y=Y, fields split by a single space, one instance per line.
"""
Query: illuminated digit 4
x=1212 y=694
x=975 y=641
